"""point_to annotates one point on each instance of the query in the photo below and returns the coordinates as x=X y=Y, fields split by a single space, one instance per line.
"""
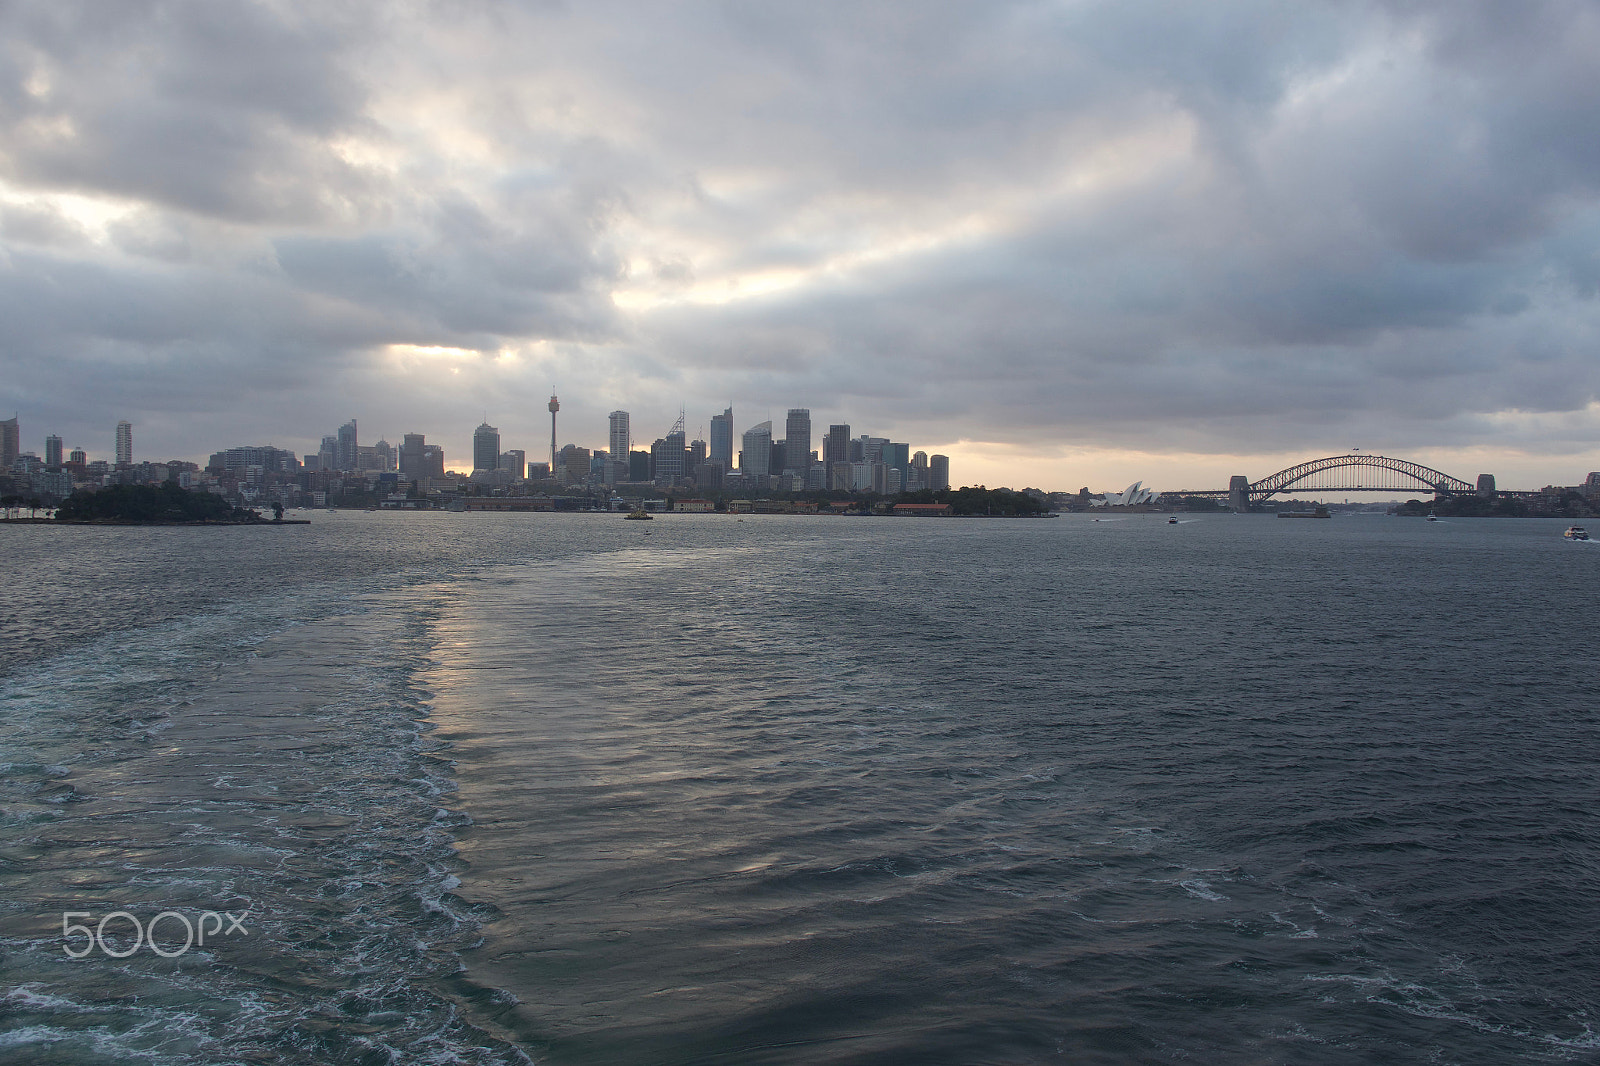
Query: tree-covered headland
x=165 y=504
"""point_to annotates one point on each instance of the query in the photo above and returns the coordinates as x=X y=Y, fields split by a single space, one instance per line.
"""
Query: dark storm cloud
x=222 y=109
x=1199 y=227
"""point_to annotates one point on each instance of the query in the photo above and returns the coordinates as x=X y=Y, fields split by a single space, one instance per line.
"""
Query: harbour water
x=558 y=788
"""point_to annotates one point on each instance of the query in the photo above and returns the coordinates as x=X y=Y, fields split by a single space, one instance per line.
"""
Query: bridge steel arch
x=1426 y=477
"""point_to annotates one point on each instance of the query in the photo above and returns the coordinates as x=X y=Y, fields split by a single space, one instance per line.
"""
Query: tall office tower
x=677 y=453
x=722 y=438
x=10 y=444
x=78 y=456
x=52 y=450
x=757 y=450
x=639 y=466
x=836 y=446
x=432 y=461
x=348 y=452
x=621 y=442
x=898 y=458
x=411 y=446
x=555 y=457
x=939 y=472
x=797 y=440
x=697 y=455
x=575 y=462
x=666 y=459
x=328 y=454
x=516 y=461
x=385 y=453
x=124 y=443
x=485 y=448
x=776 y=457
x=917 y=476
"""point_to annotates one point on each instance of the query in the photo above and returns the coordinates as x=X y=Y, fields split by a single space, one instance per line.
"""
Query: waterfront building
x=485 y=448
x=756 y=458
x=261 y=456
x=347 y=454
x=10 y=443
x=124 y=443
x=52 y=451
x=621 y=442
x=797 y=440
x=722 y=438
x=938 y=472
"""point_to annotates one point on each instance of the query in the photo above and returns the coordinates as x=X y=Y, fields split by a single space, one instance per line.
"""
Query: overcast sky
x=1065 y=243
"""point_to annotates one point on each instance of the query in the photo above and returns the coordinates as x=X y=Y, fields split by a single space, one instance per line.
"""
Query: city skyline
x=1073 y=244
x=338 y=451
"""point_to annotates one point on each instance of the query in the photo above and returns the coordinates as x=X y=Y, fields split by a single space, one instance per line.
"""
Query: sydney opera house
x=1133 y=494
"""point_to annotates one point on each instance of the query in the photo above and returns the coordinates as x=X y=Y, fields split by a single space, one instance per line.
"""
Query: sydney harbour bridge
x=1345 y=473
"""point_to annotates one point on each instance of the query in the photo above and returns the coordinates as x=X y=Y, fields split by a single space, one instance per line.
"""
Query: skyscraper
x=10 y=444
x=124 y=443
x=939 y=472
x=898 y=458
x=621 y=442
x=515 y=460
x=836 y=445
x=722 y=438
x=52 y=451
x=347 y=456
x=797 y=440
x=485 y=448
x=757 y=450
x=411 y=446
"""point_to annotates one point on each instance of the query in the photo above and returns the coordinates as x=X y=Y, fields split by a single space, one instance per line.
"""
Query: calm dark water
x=501 y=788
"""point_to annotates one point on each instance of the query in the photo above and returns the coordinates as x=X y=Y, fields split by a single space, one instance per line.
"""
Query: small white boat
x=1432 y=517
x=1576 y=533
x=1172 y=521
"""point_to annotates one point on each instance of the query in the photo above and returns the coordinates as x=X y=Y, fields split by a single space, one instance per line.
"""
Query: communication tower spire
x=555 y=405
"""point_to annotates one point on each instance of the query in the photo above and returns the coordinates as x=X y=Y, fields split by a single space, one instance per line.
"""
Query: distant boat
x=1432 y=517
x=1172 y=521
x=1576 y=533
x=638 y=514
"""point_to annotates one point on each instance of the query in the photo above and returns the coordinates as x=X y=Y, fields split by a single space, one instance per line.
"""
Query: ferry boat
x=1172 y=521
x=638 y=514
x=1576 y=533
x=1432 y=517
